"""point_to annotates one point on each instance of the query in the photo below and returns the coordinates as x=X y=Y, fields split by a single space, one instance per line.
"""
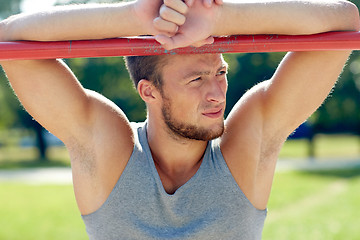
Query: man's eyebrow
x=202 y=73
x=196 y=74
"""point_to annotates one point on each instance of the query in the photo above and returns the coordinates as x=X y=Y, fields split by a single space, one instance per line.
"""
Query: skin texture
x=179 y=110
x=95 y=130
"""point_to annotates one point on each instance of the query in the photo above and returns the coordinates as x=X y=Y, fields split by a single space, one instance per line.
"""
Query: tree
x=11 y=112
x=9 y=7
x=109 y=77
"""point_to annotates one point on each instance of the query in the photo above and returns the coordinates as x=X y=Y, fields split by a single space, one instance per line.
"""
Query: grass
x=326 y=146
x=17 y=157
x=13 y=156
x=303 y=205
x=314 y=205
x=39 y=212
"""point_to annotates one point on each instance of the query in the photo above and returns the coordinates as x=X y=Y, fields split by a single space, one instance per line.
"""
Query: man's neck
x=176 y=159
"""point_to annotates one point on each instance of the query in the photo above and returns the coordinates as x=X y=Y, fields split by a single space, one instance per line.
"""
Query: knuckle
x=171 y=28
x=157 y=22
x=198 y=44
x=176 y=5
x=165 y=26
x=165 y=13
x=175 y=28
x=169 y=3
x=182 y=20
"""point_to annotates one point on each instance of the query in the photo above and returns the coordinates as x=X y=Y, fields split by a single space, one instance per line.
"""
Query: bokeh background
x=309 y=200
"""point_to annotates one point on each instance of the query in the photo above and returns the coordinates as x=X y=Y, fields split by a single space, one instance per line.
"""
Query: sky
x=36 y=5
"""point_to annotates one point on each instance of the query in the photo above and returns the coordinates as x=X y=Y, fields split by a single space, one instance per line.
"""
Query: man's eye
x=222 y=73
x=196 y=79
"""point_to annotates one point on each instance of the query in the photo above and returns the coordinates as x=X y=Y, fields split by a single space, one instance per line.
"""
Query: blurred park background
x=305 y=204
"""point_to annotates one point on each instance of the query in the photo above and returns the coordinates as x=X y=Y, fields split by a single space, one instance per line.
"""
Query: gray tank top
x=209 y=206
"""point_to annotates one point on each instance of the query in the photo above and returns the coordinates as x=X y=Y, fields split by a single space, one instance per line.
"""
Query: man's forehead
x=188 y=62
x=206 y=58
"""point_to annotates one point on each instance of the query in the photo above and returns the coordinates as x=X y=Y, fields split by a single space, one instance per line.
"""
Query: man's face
x=194 y=96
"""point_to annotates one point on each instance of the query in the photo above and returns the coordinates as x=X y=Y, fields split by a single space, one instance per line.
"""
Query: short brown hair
x=145 y=67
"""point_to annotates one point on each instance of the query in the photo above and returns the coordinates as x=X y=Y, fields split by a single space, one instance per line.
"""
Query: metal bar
x=143 y=46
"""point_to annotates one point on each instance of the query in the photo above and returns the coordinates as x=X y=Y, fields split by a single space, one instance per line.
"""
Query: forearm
x=286 y=17
x=74 y=22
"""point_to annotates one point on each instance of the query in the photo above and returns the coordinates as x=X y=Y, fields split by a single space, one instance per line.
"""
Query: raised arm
x=75 y=22
x=291 y=17
x=95 y=21
x=270 y=111
x=262 y=119
x=85 y=121
x=47 y=88
x=95 y=131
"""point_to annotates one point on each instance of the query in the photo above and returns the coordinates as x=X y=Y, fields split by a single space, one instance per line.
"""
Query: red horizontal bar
x=148 y=46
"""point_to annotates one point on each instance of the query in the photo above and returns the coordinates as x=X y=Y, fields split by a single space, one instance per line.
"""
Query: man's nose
x=216 y=92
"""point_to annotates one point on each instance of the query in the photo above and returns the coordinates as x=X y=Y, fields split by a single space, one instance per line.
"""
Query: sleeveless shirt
x=209 y=206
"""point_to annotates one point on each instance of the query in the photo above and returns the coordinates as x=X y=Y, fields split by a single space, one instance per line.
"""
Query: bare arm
x=274 y=108
x=47 y=88
x=260 y=122
x=291 y=17
x=75 y=22
x=94 y=21
x=94 y=129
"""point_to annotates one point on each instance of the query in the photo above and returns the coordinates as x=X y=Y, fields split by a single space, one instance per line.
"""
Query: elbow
x=338 y=15
x=6 y=29
x=350 y=14
x=3 y=31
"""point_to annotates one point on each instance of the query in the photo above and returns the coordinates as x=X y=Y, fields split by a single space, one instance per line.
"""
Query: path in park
x=53 y=175
x=64 y=176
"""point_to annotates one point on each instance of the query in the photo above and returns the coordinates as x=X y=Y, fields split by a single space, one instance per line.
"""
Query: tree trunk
x=40 y=141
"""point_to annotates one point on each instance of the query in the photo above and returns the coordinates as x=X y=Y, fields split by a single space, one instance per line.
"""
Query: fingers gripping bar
x=144 y=46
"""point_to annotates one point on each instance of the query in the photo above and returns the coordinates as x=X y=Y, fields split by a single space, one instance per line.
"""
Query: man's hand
x=145 y=11
x=183 y=24
x=172 y=15
x=168 y=14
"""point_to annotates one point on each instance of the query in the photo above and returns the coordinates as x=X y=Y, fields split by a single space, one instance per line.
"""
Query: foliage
x=246 y=70
x=340 y=111
x=8 y=104
x=9 y=7
x=109 y=77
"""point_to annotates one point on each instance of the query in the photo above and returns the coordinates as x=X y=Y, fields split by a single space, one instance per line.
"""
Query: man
x=184 y=174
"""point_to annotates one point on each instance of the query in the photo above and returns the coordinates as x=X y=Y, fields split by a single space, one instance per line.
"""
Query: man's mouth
x=213 y=113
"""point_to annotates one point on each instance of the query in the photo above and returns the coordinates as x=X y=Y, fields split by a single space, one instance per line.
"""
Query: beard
x=186 y=130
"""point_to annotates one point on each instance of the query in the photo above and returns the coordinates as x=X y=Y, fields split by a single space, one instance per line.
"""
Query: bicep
x=301 y=83
x=262 y=119
x=50 y=92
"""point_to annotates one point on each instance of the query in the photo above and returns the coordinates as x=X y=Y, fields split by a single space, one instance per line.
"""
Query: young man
x=185 y=173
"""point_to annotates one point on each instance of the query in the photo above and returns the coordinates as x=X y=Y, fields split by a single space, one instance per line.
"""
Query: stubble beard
x=186 y=130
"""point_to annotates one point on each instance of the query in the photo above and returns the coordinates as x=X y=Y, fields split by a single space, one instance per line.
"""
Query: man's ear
x=147 y=91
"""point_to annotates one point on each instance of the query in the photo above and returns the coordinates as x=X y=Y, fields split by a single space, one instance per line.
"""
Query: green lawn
x=39 y=213
x=303 y=205
x=326 y=146
x=314 y=205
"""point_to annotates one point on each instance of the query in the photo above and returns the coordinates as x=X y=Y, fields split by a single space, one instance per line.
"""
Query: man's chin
x=193 y=132
x=217 y=133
